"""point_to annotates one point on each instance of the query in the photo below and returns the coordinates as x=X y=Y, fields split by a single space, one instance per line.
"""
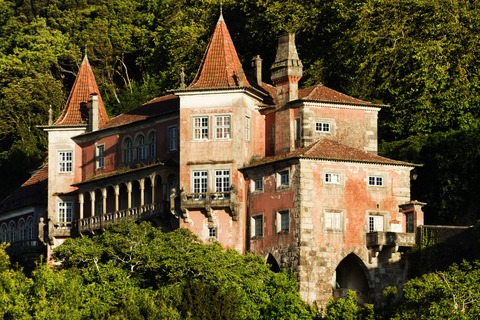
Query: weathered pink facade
x=290 y=174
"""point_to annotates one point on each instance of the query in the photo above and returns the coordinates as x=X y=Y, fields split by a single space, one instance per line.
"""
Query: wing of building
x=290 y=174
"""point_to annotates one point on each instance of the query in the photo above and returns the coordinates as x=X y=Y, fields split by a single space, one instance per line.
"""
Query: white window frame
x=258 y=185
x=284 y=177
x=200 y=183
x=65 y=213
x=257 y=226
x=248 y=124
x=222 y=182
x=332 y=178
x=333 y=220
x=223 y=125
x=173 y=138
x=375 y=223
x=283 y=221
x=100 y=155
x=200 y=128
x=65 y=161
x=323 y=126
x=375 y=181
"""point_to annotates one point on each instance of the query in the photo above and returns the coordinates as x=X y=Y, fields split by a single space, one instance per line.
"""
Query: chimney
x=286 y=70
x=93 y=114
x=257 y=69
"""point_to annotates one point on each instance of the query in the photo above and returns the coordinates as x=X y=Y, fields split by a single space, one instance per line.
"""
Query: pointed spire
x=221 y=13
x=75 y=111
x=220 y=65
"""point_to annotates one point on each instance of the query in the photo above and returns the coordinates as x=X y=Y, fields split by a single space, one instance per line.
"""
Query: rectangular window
x=322 y=126
x=333 y=220
x=153 y=145
x=212 y=232
x=65 y=161
x=141 y=148
x=375 y=223
x=200 y=184
x=284 y=178
x=247 y=128
x=172 y=138
x=65 y=213
x=375 y=181
x=200 y=128
x=283 y=220
x=257 y=226
x=258 y=185
x=100 y=156
x=222 y=183
x=332 y=177
x=410 y=224
x=298 y=129
x=222 y=127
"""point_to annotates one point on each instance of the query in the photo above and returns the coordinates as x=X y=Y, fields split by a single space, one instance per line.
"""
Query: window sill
x=279 y=233
x=258 y=237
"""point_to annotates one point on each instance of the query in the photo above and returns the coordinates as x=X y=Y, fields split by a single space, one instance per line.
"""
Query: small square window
x=258 y=185
x=332 y=178
x=200 y=128
x=284 y=178
x=212 y=232
x=376 y=181
x=65 y=161
x=333 y=220
x=322 y=126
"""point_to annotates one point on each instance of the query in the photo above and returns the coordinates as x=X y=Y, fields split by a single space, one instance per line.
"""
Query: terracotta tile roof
x=157 y=106
x=75 y=111
x=220 y=65
x=322 y=93
x=35 y=188
x=326 y=149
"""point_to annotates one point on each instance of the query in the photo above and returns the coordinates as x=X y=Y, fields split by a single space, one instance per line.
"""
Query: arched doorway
x=273 y=263
x=350 y=275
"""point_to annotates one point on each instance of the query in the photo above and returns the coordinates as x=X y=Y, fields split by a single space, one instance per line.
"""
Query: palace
x=290 y=174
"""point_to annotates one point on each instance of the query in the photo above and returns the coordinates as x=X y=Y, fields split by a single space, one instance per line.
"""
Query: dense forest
x=419 y=57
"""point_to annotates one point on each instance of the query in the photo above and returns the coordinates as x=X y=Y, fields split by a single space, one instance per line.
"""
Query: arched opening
x=350 y=275
x=135 y=194
x=273 y=263
x=98 y=202
x=123 y=197
x=110 y=199
x=87 y=206
x=148 y=190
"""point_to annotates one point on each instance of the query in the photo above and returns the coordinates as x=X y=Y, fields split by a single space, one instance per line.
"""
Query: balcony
x=392 y=239
x=25 y=247
x=209 y=200
x=98 y=223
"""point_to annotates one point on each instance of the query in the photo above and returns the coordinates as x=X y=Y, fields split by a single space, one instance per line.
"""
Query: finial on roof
x=50 y=116
x=182 y=79
x=85 y=50
x=221 y=13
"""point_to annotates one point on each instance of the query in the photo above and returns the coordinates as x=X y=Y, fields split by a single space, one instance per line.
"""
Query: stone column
x=129 y=192
x=104 y=198
x=142 y=192
x=81 y=202
x=92 y=202
x=117 y=194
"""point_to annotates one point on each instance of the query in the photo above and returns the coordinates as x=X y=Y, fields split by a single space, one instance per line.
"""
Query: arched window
x=21 y=230
x=141 y=148
x=128 y=150
x=152 y=146
x=30 y=228
x=11 y=232
x=4 y=233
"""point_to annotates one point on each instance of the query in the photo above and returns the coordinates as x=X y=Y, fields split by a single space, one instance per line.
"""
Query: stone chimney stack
x=286 y=70
x=93 y=114
x=257 y=69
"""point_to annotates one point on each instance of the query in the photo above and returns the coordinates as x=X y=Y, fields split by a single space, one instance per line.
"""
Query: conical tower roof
x=75 y=111
x=220 y=65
